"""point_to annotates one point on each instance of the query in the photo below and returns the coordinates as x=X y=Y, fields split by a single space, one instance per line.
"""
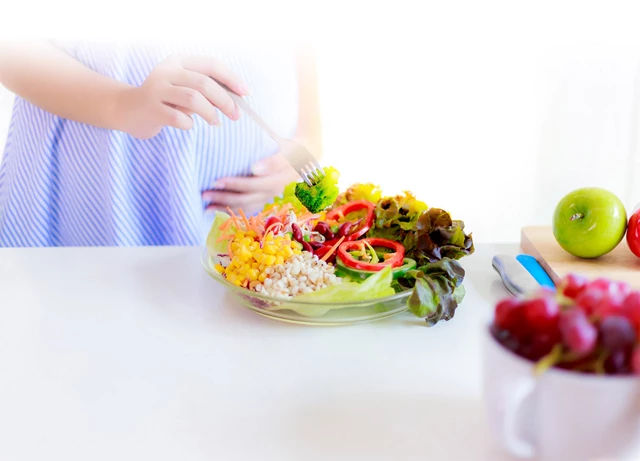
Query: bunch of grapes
x=588 y=326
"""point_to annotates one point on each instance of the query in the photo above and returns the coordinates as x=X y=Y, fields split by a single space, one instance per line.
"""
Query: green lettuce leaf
x=377 y=285
x=437 y=290
x=213 y=246
x=288 y=196
x=428 y=235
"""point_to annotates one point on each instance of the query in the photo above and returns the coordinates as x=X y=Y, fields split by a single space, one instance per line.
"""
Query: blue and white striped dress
x=68 y=183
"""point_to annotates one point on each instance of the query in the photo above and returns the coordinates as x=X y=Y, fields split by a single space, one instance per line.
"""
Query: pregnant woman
x=137 y=145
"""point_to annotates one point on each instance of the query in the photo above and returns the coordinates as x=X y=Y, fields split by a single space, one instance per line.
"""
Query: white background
x=492 y=110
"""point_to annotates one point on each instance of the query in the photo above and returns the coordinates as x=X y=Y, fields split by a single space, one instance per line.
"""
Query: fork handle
x=242 y=104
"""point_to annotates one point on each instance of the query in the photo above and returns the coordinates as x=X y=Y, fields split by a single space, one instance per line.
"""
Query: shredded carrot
x=244 y=218
x=226 y=224
x=257 y=223
x=234 y=218
x=328 y=254
x=282 y=211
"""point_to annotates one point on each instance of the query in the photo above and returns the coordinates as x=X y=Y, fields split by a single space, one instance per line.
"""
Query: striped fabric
x=68 y=183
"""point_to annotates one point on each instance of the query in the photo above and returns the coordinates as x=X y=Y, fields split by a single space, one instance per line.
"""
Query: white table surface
x=135 y=353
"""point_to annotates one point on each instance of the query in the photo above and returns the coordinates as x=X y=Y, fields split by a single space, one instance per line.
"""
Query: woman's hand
x=176 y=89
x=250 y=193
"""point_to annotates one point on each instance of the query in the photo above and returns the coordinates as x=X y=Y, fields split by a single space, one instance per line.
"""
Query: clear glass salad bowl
x=308 y=312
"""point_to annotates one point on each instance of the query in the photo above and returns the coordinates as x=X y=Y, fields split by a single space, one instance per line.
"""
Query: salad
x=314 y=243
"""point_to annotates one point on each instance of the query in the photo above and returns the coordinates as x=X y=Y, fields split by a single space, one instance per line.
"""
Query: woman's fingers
x=213 y=92
x=232 y=199
x=249 y=183
x=175 y=118
x=217 y=70
x=191 y=100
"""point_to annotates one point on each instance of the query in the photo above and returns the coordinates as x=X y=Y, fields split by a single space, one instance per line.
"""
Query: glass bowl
x=308 y=312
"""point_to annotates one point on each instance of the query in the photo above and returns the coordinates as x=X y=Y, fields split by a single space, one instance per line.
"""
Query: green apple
x=589 y=222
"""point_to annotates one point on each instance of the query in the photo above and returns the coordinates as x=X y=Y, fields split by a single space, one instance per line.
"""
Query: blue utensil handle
x=532 y=266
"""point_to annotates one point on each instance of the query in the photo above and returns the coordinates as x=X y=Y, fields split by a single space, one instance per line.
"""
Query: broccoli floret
x=322 y=194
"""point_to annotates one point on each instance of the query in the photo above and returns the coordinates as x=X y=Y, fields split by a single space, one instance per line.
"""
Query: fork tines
x=312 y=173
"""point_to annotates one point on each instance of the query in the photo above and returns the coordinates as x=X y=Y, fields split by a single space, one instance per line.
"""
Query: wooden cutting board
x=620 y=264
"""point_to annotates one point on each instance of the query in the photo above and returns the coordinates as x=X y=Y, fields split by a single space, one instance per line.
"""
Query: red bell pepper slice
x=393 y=259
x=338 y=214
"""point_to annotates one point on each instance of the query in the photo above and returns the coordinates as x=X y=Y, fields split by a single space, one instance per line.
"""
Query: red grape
x=631 y=308
x=610 y=305
x=617 y=362
x=590 y=298
x=573 y=285
x=577 y=333
x=635 y=360
x=589 y=319
x=601 y=284
x=539 y=345
x=623 y=288
x=610 y=287
x=505 y=338
x=508 y=315
x=541 y=313
x=617 y=333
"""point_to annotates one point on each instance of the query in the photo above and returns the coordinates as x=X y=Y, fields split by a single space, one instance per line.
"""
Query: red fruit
x=618 y=362
x=508 y=315
x=577 y=333
x=610 y=287
x=601 y=284
x=635 y=360
x=590 y=298
x=633 y=233
x=631 y=308
x=617 y=333
x=610 y=305
x=539 y=345
x=621 y=289
x=541 y=314
x=573 y=284
x=505 y=338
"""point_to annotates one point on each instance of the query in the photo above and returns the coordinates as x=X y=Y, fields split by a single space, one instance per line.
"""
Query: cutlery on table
x=521 y=274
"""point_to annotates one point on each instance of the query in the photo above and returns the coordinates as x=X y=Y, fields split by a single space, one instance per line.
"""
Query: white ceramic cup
x=559 y=415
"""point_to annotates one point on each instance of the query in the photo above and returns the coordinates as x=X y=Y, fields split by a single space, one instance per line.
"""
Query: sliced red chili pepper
x=359 y=227
x=393 y=259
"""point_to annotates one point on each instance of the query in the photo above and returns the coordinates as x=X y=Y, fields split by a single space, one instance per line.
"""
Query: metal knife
x=521 y=274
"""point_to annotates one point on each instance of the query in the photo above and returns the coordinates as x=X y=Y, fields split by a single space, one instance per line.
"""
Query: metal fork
x=295 y=153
